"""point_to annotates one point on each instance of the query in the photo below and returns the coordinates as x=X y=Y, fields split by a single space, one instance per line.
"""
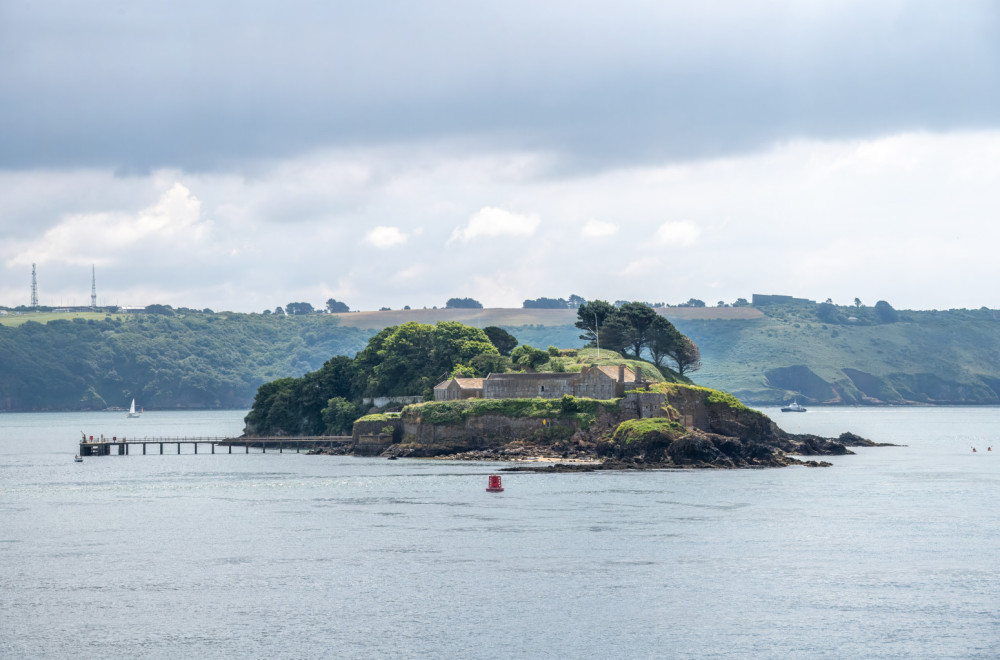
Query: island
x=454 y=391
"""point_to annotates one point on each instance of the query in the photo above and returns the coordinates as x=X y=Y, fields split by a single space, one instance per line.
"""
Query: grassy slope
x=741 y=346
x=13 y=320
x=589 y=356
x=958 y=346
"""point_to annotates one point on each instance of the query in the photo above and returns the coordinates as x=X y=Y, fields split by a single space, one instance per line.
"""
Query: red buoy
x=494 y=484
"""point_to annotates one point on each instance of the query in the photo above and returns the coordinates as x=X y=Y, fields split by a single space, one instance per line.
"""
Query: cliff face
x=672 y=426
x=547 y=424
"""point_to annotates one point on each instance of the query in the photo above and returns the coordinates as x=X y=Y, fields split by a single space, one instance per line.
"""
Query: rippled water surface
x=892 y=552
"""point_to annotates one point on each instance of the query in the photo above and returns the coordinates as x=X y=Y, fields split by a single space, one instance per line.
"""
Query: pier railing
x=102 y=445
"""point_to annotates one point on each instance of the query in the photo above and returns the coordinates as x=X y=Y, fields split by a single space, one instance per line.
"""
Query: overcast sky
x=243 y=155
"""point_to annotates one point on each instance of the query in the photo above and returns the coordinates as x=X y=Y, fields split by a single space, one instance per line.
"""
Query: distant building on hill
x=761 y=299
x=606 y=382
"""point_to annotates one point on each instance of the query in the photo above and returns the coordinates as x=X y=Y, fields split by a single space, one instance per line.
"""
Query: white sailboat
x=131 y=411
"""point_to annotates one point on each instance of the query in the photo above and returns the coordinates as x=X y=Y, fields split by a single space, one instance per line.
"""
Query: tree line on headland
x=411 y=358
x=182 y=359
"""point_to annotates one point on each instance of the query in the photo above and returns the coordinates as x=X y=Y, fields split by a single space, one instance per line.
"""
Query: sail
x=131 y=410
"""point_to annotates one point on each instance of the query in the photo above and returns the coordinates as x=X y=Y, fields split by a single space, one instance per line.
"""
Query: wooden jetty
x=103 y=446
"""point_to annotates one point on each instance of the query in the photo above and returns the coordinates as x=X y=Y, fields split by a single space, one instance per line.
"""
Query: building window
x=543 y=388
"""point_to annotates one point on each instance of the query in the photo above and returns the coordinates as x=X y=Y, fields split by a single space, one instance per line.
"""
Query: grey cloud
x=143 y=86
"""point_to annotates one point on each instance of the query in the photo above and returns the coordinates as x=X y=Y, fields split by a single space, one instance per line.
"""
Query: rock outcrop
x=665 y=426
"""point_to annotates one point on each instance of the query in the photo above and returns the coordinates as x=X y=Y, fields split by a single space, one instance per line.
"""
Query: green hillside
x=175 y=360
x=776 y=353
x=925 y=357
x=766 y=355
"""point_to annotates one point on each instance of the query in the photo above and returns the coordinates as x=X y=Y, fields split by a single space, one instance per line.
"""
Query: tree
x=637 y=320
x=662 y=340
x=503 y=340
x=827 y=313
x=575 y=301
x=339 y=415
x=335 y=307
x=463 y=303
x=486 y=364
x=885 y=312
x=166 y=310
x=741 y=302
x=298 y=308
x=857 y=302
x=591 y=318
x=616 y=334
x=693 y=302
x=411 y=358
x=279 y=310
x=686 y=355
x=529 y=356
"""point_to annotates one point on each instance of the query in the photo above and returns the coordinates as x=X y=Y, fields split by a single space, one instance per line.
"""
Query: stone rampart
x=371 y=444
x=646 y=404
x=392 y=427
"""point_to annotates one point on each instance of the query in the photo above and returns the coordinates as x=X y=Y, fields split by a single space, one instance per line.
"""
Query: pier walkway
x=103 y=446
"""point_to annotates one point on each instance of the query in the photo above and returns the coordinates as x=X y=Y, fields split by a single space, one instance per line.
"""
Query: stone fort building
x=606 y=382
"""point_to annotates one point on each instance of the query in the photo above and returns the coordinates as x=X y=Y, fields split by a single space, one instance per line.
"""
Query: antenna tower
x=34 y=287
x=93 y=288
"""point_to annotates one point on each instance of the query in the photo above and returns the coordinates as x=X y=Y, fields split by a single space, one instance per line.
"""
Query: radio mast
x=93 y=288
x=34 y=287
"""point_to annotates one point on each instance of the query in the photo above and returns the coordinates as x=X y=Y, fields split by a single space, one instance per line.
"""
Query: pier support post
x=196 y=447
x=161 y=448
x=178 y=447
x=213 y=447
x=144 y=449
x=263 y=447
x=281 y=447
x=247 y=447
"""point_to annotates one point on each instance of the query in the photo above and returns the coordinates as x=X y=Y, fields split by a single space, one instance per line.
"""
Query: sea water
x=892 y=552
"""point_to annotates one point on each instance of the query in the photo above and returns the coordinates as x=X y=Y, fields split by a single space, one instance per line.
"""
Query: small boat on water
x=131 y=410
x=78 y=459
x=795 y=407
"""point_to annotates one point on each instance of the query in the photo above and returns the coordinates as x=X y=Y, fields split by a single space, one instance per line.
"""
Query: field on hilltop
x=515 y=317
x=13 y=319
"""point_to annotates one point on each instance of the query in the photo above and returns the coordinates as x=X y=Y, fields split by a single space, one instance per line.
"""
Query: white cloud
x=85 y=238
x=873 y=212
x=385 y=237
x=491 y=222
x=599 y=229
x=643 y=266
x=680 y=234
x=411 y=273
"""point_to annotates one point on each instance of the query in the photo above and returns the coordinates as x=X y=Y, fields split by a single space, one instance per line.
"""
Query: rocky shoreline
x=672 y=426
x=692 y=450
